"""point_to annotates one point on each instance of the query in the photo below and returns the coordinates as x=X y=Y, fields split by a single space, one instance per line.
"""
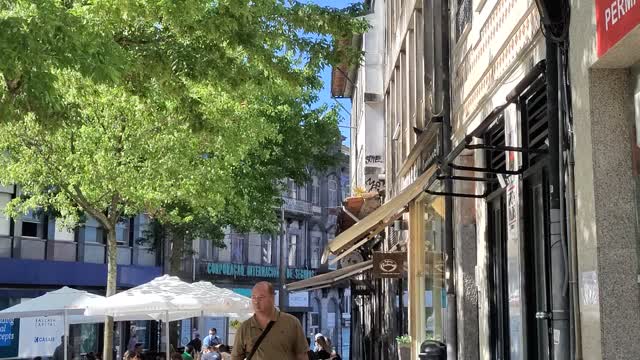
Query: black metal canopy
x=446 y=165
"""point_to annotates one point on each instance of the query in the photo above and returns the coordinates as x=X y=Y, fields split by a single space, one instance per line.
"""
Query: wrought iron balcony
x=297 y=206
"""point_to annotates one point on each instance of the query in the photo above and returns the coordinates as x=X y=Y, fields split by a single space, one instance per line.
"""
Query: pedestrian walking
x=133 y=340
x=325 y=350
x=186 y=355
x=196 y=343
x=269 y=334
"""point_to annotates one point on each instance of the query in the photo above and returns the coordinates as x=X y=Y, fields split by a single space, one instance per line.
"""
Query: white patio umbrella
x=69 y=303
x=164 y=298
x=216 y=301
x=233 y=304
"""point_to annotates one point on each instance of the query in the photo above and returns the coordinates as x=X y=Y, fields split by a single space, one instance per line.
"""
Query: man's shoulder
x=289 y=318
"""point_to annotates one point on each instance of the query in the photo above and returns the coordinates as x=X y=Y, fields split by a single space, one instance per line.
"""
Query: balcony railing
x=297 y=206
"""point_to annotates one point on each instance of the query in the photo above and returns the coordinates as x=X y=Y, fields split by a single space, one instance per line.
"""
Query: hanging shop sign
x=361 y=287
x=614 y=20
x=253 y=271
x=389 y=264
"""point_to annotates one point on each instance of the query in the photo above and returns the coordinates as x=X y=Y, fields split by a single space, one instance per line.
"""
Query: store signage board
x=389 y=265
x=254 y=271
x=614 y=20
x=361 y=288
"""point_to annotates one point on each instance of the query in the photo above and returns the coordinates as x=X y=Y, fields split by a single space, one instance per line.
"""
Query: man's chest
x=279 y=341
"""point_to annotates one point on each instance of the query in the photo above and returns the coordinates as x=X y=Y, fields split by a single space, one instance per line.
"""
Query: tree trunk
x=112 y=273
x=175 y=257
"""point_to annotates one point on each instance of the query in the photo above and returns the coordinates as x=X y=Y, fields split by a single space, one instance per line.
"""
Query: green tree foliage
x=184 y=110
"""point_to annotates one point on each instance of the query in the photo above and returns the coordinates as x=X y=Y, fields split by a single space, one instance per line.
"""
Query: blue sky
x=325 y=94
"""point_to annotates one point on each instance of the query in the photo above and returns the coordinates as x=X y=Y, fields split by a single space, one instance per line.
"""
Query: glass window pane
x=435 y=302
x=29 y=229
x=237 y=248
x=255 y=248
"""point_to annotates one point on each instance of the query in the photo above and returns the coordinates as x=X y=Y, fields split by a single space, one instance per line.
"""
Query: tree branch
x=79 y=197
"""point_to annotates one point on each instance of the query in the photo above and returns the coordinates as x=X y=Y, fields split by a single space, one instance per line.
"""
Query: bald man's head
x=267 y=285
x=263 y=298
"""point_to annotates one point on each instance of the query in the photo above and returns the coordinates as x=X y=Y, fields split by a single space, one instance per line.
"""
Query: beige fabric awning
x=330 y=278
x=358 y=234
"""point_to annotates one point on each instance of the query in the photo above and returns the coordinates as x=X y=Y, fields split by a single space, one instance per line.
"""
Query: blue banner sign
x=255 y=271
x=9 y=330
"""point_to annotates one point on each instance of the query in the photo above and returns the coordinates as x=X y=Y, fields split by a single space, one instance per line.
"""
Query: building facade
x=37 y=256
x=510 y=161
x=604 y=63
x=309 y=214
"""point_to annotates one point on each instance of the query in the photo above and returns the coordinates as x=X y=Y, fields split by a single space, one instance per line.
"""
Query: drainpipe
x=452 y=306
x=559 y=315
x=569 y=146
x=437 y=37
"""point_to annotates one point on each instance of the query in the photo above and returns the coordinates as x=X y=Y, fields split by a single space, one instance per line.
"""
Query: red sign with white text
x=614 y=19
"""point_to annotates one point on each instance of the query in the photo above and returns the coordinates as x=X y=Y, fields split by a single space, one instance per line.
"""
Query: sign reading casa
x=614 y=20
x=255 y=271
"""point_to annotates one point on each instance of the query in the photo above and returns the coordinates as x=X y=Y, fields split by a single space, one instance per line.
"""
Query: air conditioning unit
x=372 y=98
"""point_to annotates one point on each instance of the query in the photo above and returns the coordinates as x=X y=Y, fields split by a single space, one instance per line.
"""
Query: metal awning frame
x=331 y=278
x=447 y=167
x=377 y=230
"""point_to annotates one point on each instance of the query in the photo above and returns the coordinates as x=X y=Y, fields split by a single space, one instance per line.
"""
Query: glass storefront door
x=497 y=276
x=434 y=302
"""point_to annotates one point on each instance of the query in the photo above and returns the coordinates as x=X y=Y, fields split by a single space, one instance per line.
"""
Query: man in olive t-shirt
x=285 y=341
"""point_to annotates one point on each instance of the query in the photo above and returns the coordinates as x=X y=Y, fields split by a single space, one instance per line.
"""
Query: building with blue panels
x=37 y=256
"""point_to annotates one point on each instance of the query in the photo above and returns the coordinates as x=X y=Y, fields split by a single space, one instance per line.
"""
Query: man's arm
x=239 y=352
x=301 y=345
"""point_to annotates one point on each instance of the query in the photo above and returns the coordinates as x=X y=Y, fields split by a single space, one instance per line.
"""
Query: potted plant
x=404 y=347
